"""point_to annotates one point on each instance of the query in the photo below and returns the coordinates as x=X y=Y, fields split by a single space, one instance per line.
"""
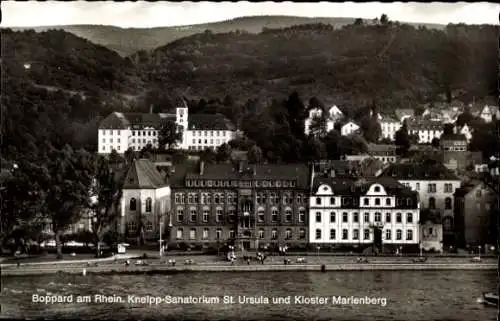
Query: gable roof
x=299 y=172
x=419 y=171
x=143 y=175
x=454 y=137
x=209 y=122
x=359 y=187
x=117 y=120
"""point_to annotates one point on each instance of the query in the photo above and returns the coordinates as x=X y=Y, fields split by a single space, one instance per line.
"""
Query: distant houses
x=332 y=116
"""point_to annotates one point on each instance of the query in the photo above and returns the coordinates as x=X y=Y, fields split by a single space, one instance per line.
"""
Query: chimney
x=332 y=173
x=151 y=109
x=254 y=170
x=202 y=167
x=240 y=166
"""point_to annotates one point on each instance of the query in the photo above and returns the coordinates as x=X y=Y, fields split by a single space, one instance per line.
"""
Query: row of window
x=366 y=217
x=111 y=140
x=236 y=183
x=145 y=133
x=447 y=203
x=209 y=133
x=219 y=215
x=111 y=147
x=366 y=234
x=432 y=187
x=133 y=204
x=144 y=141
x=206 y=141
x=232 y=234
x=366 y=201
x=231 y=198
x=132 y=226
x=206 y=198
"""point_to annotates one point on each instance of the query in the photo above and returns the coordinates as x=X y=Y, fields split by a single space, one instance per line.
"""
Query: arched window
x=149 y=227
x=447 y=203
x=132 y=226
x=388 y=201
x=318 y=200
x=318 y=234
x=133 y=204
x=432 y=203
x=149 y=205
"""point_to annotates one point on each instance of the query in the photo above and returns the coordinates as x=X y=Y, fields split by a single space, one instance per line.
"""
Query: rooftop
x=209 y=122
x=455 y=137
x=419 y=171
x=241 y=171
x=144 y=175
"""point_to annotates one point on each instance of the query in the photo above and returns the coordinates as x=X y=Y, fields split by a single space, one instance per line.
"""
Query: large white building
x=389 y=127
x=334 y=114
x=361 y=213
x=120 y=131
x=425 y=130
x=435 y=185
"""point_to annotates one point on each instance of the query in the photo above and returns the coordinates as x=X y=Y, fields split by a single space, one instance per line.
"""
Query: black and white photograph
x=250 y=161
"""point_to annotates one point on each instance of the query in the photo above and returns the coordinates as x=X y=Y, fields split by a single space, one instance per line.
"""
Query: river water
x=392 y=295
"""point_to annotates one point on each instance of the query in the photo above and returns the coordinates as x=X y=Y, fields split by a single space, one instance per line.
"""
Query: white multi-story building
x=435 y=185
x=334 y=114
x=389 y=127
x=353 y=213
x=121 y=131
x=425 y=130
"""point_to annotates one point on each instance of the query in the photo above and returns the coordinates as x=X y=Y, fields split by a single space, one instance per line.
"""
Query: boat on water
x=490 y=298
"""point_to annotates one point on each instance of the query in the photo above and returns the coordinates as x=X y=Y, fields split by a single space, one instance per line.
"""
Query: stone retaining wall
x=249 y=268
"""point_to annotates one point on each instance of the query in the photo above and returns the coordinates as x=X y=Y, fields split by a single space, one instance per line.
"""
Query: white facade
x=349 y=128
x=137 y=138
x=425 y=135
x=389 y=128
x=150 y=206
x=332 y=223
x=488 y=112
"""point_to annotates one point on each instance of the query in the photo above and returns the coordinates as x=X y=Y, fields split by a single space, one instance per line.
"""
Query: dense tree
x=208 y=155
x=168 y=135
x=318 y=126
x=371 y=129
x=358 y=22
x=402 y=140
x=65 y=182
x=448 y=129
x=255 y=155
x=369 y=167
x=384 y=19
x=106 y=193
x=223 y=153
x=435 y=142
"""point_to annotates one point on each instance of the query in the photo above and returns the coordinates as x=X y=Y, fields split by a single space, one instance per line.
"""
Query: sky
x=143 y=14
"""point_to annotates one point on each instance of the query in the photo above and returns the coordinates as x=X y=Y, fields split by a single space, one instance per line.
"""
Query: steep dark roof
x=143 y=174
x=299 y=172
x=455 y=137
x=424 y=125
x=209 y=122
x=118 y=120
x=357 y=188
x=419 y=171
x=361 y=186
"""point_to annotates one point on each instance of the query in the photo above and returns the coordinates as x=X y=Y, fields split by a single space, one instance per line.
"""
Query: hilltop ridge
x=127 y=41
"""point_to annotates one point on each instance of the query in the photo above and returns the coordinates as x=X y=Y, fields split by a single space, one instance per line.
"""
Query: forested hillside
x=398 y=65
x=61 y=59
x=127 y=41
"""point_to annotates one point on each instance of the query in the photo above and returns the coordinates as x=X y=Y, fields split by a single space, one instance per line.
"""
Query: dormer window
x=377 y=189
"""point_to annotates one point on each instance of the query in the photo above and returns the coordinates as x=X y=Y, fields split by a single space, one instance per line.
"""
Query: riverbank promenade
x=213 y=263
